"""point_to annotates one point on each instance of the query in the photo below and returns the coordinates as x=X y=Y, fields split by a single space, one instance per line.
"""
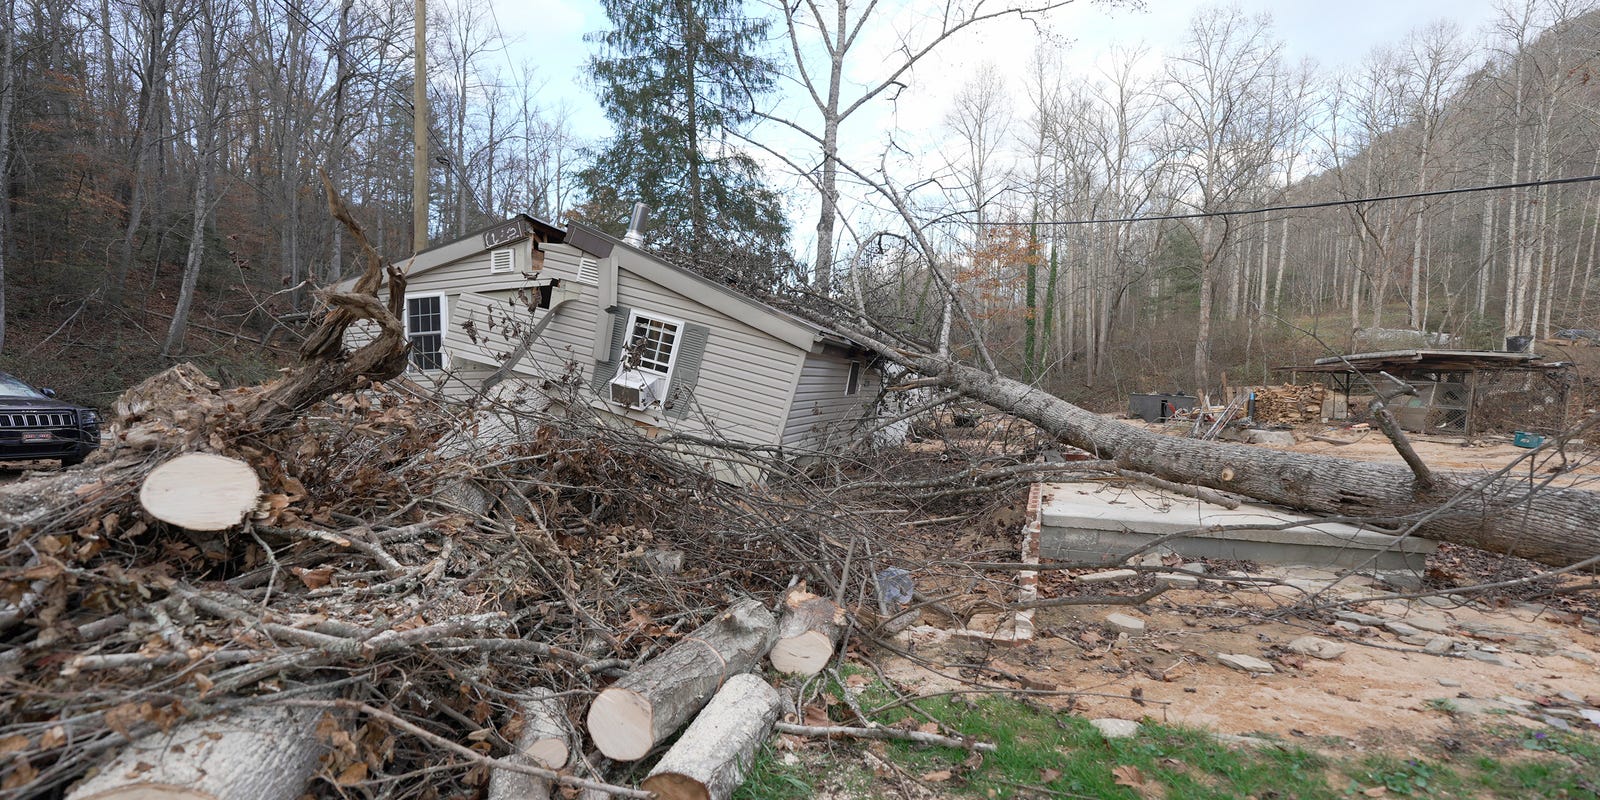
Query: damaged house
x=577 y=317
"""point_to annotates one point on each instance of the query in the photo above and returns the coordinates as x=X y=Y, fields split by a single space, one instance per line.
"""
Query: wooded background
x=160 y=196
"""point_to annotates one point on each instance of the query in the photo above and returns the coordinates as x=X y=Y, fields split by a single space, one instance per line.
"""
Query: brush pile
x=388 y=564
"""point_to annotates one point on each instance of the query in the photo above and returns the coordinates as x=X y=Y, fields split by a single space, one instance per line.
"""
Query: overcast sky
x=1334 y=33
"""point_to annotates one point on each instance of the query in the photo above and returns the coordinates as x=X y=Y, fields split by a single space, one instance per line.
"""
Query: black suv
x=33 y=424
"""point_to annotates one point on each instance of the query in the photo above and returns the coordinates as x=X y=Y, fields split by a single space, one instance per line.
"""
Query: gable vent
x=504 y=260
x=589 y=271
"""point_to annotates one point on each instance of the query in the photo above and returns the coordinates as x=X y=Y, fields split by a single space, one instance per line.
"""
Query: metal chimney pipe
x=636 y=225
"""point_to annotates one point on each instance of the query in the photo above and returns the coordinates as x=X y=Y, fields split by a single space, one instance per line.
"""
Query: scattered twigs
x=886 y=734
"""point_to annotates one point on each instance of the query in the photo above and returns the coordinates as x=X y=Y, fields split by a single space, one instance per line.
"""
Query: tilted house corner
x=613 y=329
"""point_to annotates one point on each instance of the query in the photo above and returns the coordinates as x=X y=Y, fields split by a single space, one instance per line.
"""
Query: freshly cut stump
x=261 y=753
x=807 y=634
x=651 y=702
x=545 y=742
x=201 y=492
x=711 y=758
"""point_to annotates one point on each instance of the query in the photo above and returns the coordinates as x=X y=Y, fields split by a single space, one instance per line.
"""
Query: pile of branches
x=391 y=562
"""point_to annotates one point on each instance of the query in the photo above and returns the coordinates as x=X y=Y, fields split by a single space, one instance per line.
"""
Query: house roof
x=794 y=329
x=791 y=328
x=1422 y=360
x=478 y=241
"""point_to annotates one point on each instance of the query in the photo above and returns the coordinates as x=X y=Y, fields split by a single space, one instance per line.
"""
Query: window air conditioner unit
x=637 y=390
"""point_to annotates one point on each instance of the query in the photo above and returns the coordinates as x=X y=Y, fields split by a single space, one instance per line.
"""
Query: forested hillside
x=147 y=146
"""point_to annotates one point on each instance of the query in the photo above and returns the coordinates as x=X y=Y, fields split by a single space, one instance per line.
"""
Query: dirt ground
x=1504 y=660
x=1378 y=687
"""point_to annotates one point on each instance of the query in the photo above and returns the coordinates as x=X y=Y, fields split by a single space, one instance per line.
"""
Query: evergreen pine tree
x=675 y=77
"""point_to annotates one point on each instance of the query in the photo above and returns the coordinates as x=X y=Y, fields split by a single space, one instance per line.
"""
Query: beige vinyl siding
x=746 y=375
x=457 y=384
x=822 y=411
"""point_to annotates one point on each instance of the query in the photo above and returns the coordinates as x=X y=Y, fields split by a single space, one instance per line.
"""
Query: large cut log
x=546 y=741
x=712 y=757
x=258 y=753
x=201 y=492
x=1557 y=526
x=807 y=633
x=651 y=702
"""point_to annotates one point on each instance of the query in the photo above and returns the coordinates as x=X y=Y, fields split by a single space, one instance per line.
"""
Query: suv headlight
x=90 y=417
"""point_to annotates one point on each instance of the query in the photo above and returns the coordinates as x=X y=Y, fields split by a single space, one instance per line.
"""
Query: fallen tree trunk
x=807 y=633
x=651 y=702
x=545 y=742
x=711 y=758
x=1556 y=526
x=259 y=753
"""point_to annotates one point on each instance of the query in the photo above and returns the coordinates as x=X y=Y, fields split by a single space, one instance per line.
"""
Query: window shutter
x=686 y=370
x=606 y=370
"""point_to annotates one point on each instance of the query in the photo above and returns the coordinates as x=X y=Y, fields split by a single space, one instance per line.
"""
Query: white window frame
x=510 y=257
x=444 y=327
x=852 y=379
x=677 y=342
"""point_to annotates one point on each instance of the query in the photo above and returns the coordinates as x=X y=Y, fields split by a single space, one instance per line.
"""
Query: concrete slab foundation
x=1103 y=523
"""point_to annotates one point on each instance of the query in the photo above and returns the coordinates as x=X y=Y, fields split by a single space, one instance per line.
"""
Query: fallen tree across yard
x=1511 y=513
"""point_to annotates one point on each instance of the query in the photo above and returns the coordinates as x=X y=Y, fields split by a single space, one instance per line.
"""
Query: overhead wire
x=1293 y=206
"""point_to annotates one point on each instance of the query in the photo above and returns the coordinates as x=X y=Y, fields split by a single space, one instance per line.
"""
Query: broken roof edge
x=1423 y=354
x=801 y=332
x=444 y=253
x=1436 y=360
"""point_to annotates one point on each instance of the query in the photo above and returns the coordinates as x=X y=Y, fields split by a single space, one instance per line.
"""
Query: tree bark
x=807 y=634
x=653 y=701
x=1556 y=526
x=710 y=760
x=260 y=753
x=545 y=742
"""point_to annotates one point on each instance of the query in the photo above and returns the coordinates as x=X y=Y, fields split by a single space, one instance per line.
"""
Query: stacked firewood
x=1290 y=404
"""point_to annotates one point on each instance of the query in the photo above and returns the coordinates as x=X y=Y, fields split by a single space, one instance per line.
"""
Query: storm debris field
x=338 y=583
x=410 y=608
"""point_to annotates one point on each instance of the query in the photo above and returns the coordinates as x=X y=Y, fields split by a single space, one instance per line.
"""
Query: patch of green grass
x=1041 y=751
x=1412 y=777
x=1572 y=768
x=1442 y=704
x=771 y=779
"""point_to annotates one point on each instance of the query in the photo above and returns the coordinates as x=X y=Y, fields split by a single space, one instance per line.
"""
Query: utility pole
x=419 y=133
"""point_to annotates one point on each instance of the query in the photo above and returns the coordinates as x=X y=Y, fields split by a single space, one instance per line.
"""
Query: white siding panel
x=485 y=328
x=822 y=413
x=746 y=376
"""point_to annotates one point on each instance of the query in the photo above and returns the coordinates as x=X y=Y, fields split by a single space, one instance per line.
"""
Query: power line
x=1299 y=206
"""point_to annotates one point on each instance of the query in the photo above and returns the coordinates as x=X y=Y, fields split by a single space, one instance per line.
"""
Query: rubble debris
x=1317 y=648
x=1116 y=728
x=1125 y=623
x=1246 y=663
